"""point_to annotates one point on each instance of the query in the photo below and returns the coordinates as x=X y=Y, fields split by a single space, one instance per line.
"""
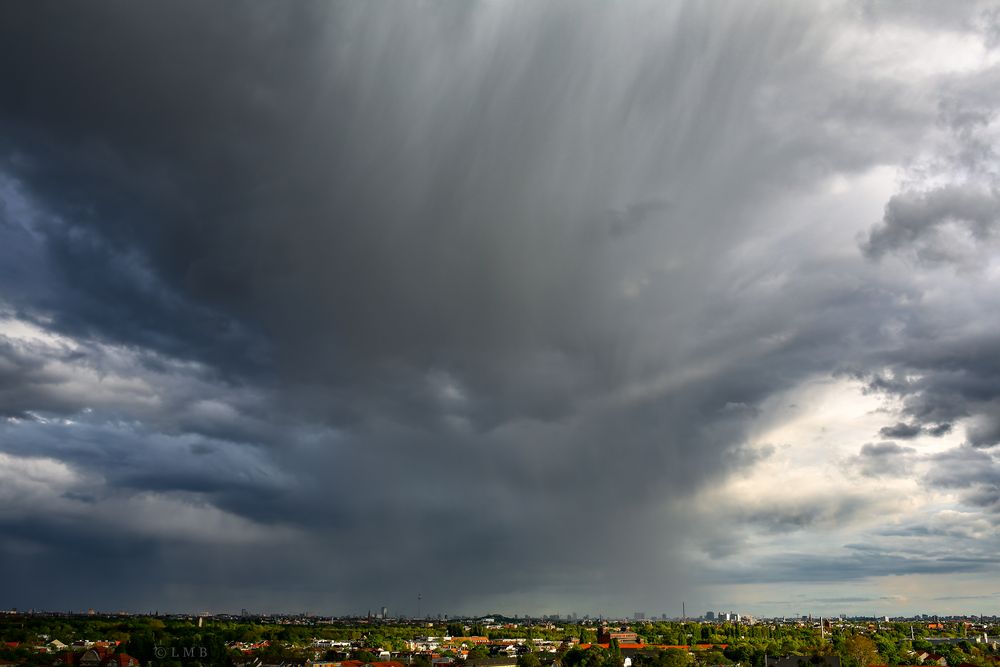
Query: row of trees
x=886 y=643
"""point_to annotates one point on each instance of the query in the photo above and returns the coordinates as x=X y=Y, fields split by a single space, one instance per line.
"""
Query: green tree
x=671 y=657
x=141 y=646
x=860 y=651
x=615 y=653
x=591 y=657
x=712 y=658
x=528 y=660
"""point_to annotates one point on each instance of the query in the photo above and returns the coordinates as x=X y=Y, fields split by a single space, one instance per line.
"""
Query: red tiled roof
x=696 y=647
x=120 y=660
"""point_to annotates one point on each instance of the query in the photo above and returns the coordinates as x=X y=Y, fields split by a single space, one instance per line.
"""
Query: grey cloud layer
x=463 y=297
x=915 y=220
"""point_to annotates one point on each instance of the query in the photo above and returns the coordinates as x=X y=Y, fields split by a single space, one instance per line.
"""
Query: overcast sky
x=521 y=307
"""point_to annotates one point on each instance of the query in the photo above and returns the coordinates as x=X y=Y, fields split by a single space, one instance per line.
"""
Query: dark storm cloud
x=985 y=432
x=974 y=476
x=816 y=512
x=942 y=375
x=915 y=220
x=950 y=530
x=856 y=564
x=128 y=458
x=987 y=596
x=938 y=430
x=226 y=163
x=900 y=430
x=975 y=473
x=461 y=298
x=884 y=459
x=944 y=369
x=58 y=378
x=883 y=449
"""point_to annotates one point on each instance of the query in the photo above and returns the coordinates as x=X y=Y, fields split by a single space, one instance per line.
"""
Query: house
x=97 y=657
x=120 y=660
x=93 y=657
x=474 y=640
x=805 y=661
x=494 y=661
x=604 y=636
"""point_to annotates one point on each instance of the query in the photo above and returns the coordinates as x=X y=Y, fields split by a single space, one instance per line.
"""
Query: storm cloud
x=322 y=306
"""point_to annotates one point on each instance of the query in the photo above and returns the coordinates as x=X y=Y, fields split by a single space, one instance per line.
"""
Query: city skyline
x=494 y=617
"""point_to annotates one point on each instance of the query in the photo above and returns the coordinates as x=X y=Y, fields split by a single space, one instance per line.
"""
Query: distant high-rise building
x=385 y=612
x=709 y=615
x=639 y=616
